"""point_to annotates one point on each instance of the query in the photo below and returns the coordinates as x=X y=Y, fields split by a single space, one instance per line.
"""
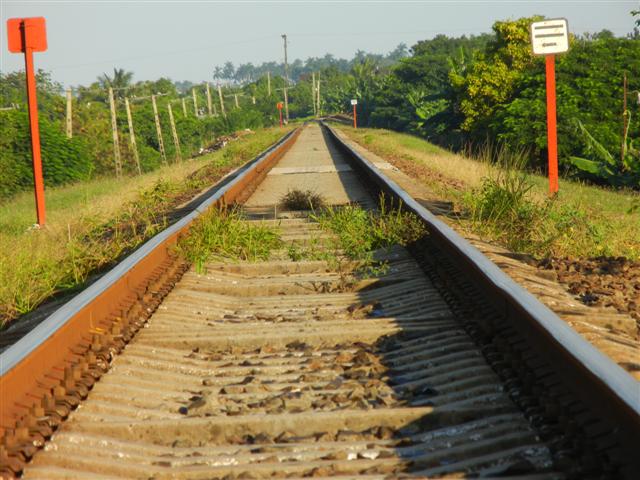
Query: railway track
x=291 y=369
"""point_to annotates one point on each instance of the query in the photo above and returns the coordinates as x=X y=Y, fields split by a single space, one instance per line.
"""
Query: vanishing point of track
x=293 y=369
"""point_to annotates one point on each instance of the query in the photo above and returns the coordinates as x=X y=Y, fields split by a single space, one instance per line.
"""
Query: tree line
x=460 y=92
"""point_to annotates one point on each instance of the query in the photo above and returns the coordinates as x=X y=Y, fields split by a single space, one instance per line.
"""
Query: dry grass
x=98 y=199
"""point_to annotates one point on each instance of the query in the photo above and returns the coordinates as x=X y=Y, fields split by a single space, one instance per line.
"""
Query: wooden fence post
x=209 y=106
x=174 y=132
x=158 y=128
x=221 y=101
x=69 y=114
x=318 y=108
x=184 y=107
x=132 y=136
x=235 y=97
x=313 y=92
x=195 y=101
x=114 y=131
x=286 y=104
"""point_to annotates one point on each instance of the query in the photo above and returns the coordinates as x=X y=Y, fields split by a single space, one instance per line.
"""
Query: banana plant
x=603 y=165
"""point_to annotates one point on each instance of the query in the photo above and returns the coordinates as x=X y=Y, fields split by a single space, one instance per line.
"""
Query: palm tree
x=121 y=80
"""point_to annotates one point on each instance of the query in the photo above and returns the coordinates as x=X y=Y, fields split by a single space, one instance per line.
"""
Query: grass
x=358 y=234
x=90 y=225
x=582 y=221
x=222 y=234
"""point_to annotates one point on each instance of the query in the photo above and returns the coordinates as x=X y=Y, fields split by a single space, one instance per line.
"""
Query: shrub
x=302 y=200
x=63 y=160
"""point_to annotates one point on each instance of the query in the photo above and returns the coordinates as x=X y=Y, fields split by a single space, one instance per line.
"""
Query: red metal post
x=552 y=139
x=35 y=134
x=355 y=117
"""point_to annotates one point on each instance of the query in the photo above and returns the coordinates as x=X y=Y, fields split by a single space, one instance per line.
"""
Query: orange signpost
x=549 y=37
x=28 y=35
x=279 y=106
x=552 y=129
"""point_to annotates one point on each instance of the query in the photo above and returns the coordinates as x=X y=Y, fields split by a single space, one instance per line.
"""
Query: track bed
x=297 y=369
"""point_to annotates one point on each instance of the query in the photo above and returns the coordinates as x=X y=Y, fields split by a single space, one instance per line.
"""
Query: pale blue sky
x=183 y=40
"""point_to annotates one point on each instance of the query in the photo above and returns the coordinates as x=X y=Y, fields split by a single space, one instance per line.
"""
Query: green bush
x=63 y=160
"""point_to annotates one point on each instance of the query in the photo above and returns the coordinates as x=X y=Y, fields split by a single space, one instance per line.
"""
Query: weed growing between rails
x=359 y=234
x=223 y=234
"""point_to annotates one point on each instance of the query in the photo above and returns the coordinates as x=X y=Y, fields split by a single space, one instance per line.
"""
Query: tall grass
x=505 y=208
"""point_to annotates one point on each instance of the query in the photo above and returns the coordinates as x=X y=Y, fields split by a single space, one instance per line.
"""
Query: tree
x=228 y=71
x=121 y=79
x=491 y=80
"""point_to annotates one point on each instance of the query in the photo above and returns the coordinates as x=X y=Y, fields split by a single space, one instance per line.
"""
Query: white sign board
x=354 y=102
x=550 y=36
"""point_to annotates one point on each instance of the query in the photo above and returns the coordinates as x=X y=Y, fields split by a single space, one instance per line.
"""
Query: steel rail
x=35 y=363
x=605 y=386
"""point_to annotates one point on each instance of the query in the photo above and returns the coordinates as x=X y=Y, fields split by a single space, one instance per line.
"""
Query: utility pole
x=286 y=79
x=69 y=113
x=158 y=128
x=132 y=136
x=269 y=83
x=114 y=131
x=224 y=114
x=209 y=100
x=174 y=133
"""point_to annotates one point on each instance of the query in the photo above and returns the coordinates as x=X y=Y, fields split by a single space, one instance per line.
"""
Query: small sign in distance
x=354 y=102
x=550 y=36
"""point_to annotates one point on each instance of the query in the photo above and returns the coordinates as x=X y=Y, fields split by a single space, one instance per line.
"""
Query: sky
x=184 y=40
